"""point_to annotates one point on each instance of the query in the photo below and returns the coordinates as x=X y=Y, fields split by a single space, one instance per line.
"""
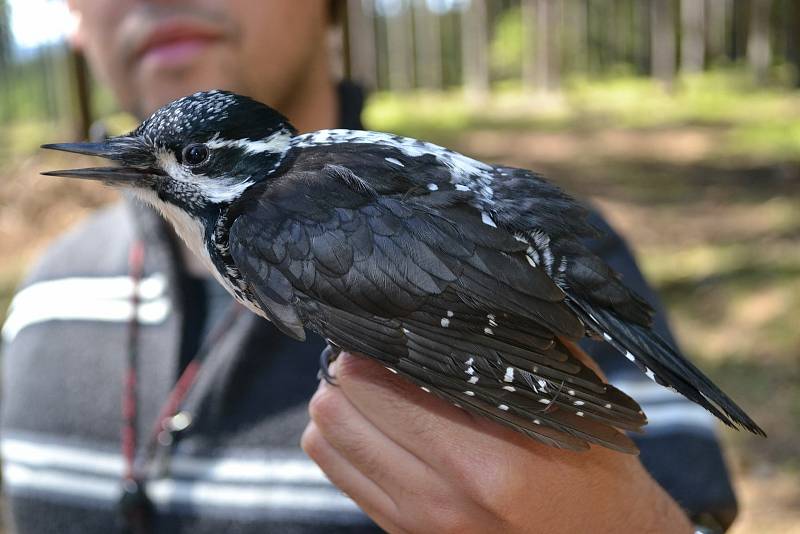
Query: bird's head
x=197 y=153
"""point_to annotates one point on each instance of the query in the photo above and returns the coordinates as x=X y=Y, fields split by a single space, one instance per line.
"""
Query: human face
x=151 y=52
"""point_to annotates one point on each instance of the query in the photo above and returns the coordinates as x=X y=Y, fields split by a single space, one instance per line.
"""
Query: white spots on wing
x=392 y=370
x=487 y=219
x=445 y=322
x=533 y=256
x=542 y=245
x=579 y=414
x=433 y=187
x=542 y=384
x=471 y=371
x=488 y=331
x=450 y=313
x=492 y=319
x=607 y=337
x=426 y=390
x=578 y=403
x=509 y=388
x=608 y=405
x=650 y=374
x=571 y=392
x=469 y=393
x=537 y=422
x=509 y=377
x=544 y=401
x=541 y=239
x=630 y=356
x=394 y=161
x=460 y=187
x=503 y=407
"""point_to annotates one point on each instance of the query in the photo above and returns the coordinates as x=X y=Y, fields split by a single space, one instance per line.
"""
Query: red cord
x=178 y=393
x=129 y=390
x=176 y=396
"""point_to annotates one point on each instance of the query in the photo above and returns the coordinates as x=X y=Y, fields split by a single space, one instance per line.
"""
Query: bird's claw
x=326 y=358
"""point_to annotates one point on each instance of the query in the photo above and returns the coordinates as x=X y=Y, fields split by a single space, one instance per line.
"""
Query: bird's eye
x=195 y=154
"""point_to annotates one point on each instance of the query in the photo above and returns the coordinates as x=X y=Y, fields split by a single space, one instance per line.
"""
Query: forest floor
x=704 y=184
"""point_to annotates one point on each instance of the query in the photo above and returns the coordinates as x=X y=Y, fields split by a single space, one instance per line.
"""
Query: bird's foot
x=326 y=358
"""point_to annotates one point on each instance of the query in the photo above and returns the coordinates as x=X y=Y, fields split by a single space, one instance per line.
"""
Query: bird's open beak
x=111 y=149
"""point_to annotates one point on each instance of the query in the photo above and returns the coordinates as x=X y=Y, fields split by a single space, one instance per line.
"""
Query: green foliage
x=757 y=123
x=36 y=88
x=506 y=49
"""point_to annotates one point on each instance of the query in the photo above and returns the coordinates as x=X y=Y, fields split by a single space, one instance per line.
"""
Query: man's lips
x=172 y=43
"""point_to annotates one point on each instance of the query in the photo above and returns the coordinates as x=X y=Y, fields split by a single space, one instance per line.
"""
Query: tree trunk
x=361 y=45
x=579 y=37
x=642 y=22
x=427 y=29
x=758 y=50
x=474 y=46
x=5 y=61
x=548 y=50
x=82 y=118
x=718 y=13
x=530 y=60
x=663 y=42
x=739 y=23
x=793 y=39
x=6 y=38
x=542 y=45
x=555 y=15
x=399 y=38
x=693 y=33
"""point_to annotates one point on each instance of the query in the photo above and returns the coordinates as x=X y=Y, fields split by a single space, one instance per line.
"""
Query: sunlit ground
x=705 y=183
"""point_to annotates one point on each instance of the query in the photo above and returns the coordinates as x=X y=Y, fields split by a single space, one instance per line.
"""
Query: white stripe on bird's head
x=277 y=143
x=216 y=189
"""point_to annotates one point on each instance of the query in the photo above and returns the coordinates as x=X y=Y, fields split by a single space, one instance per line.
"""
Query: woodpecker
x=468 y=279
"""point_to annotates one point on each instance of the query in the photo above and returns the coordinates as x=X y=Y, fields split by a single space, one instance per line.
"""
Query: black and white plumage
x=466 y=278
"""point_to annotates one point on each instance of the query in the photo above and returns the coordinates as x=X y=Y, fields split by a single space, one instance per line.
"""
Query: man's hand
x=415 y=463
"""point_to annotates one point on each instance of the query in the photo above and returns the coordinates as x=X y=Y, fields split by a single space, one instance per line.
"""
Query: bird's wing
x=424 y=284
x=553 y=222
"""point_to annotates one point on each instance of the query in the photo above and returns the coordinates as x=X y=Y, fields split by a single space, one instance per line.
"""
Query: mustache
x=139 y=23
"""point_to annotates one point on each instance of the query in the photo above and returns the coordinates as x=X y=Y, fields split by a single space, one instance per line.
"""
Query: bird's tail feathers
x=663 y=364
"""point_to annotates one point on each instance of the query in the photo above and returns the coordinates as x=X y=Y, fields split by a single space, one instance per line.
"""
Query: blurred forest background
x=679 y=119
